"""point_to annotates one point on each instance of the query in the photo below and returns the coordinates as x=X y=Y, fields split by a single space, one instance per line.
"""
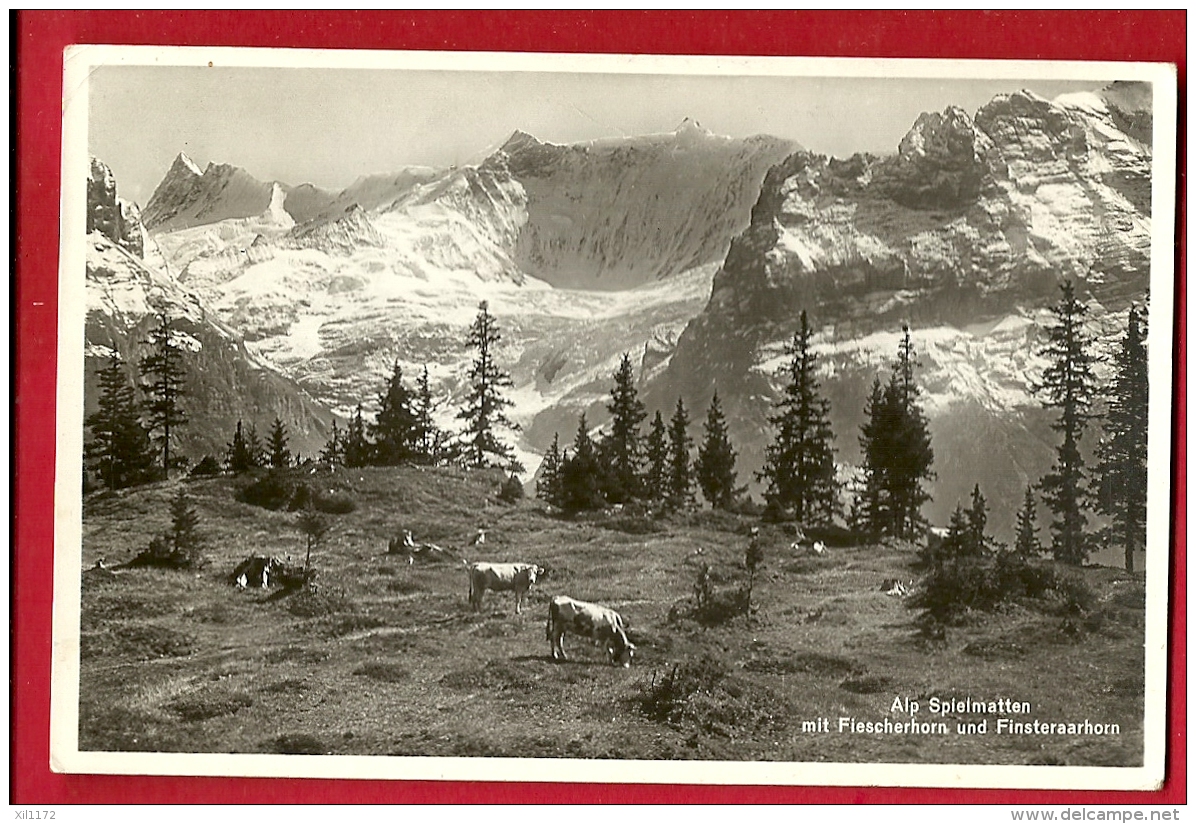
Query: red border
x=39 y=38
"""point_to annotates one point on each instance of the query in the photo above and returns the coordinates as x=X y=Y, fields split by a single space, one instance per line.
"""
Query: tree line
x=128 y=434
x=621 y=463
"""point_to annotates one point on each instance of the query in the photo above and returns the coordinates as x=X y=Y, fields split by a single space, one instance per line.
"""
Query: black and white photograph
x=614 y=418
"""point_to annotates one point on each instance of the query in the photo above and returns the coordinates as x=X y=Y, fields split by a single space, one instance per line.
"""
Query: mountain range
x=695 y=252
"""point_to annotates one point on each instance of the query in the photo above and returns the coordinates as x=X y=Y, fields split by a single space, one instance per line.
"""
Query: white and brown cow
x=600 y=624
x=517 y=578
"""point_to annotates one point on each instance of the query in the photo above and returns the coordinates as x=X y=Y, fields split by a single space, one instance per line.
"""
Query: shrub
x=705 y=695
x=511 y=490
x=335 y=504
x=206 y=467
x=272 y=491
x=982 y=583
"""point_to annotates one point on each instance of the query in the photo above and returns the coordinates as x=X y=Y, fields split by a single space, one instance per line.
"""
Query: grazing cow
x=601 y=625
x=501 y=578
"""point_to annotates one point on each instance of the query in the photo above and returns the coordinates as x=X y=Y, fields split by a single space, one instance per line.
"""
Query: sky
x=330 y=126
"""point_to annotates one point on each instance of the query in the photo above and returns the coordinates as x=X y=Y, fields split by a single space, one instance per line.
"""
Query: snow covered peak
x=188 y=163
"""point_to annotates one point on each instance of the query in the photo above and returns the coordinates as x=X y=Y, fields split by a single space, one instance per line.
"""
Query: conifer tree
x=240 y=455
x=254 y=443
x=1122 y=467
x=1068 y=386
x=895 y=442
x=548 y=485
x=120 y=451
x=622 y=453
x=356 y=448
x=1027 y=538
x=581 y=474
x=334 y=450
x=427 y=437
x=185 y=541
x=280 y=455
x=164 y=384
x=484 y=404
x=799 y=464
x=913 y=457
x=394 y=427
x=715 y=467
x=873 y=507
x=680 y=493
x=656 y=469
x=977 y=518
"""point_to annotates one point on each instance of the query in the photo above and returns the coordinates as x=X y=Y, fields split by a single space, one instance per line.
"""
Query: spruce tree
x=977 y=518
x=427 y=437
x=357 y=448
x=680 y=493
x=548 y=485
x=279 y=454
x=394 y=427
x=164 y=384
x=1068 y=385
x=715 y=467
x=334 y=450
x=240 y=455
x=185 y=541
x=873 y=507
x=622 y=453
x=799 y=464
x=1122 y=467
x=656 y=469
x=120 y=451
x=484 y=404
x=1027 y=536
x=910 y=462
x=581 y=474
x=254 y=444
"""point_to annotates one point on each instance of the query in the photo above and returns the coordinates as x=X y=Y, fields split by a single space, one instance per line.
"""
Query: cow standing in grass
x=600 y=624
x=517 y=578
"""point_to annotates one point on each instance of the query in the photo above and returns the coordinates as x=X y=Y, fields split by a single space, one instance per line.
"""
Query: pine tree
x=164 y=386
x=241 y=455
x=548 y=485
x=394 y=429
x=279 y=454
x=427 y=437
x=357 y=448
x=715 y=467
x=895 y=442
x=314 y=526
x=873 y=506
x=581 y=474
x=680 y=493
x=1027 y=537
x=120 y=451
x=184 y=538
x=1068 y=385
x=1122 y=468
x=483 y=411
x=656 y=476
x=334 y=450
x=977 y=518
x=799 y=464
x=622 y=453
x=912 y=458
x=256 y=449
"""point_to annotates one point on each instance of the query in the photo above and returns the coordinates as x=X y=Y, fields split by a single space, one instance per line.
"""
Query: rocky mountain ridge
x=965 y=233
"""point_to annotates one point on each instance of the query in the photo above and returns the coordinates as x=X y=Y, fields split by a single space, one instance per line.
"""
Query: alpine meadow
x=663 y=447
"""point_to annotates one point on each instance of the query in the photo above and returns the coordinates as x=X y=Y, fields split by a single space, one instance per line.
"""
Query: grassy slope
x=390 y=660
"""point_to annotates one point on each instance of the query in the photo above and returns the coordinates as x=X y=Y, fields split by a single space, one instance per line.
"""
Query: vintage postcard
x=614 y=418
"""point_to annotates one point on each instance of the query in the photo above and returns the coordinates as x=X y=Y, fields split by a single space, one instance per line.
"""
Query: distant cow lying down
x=517 y=578
x=601 y=625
